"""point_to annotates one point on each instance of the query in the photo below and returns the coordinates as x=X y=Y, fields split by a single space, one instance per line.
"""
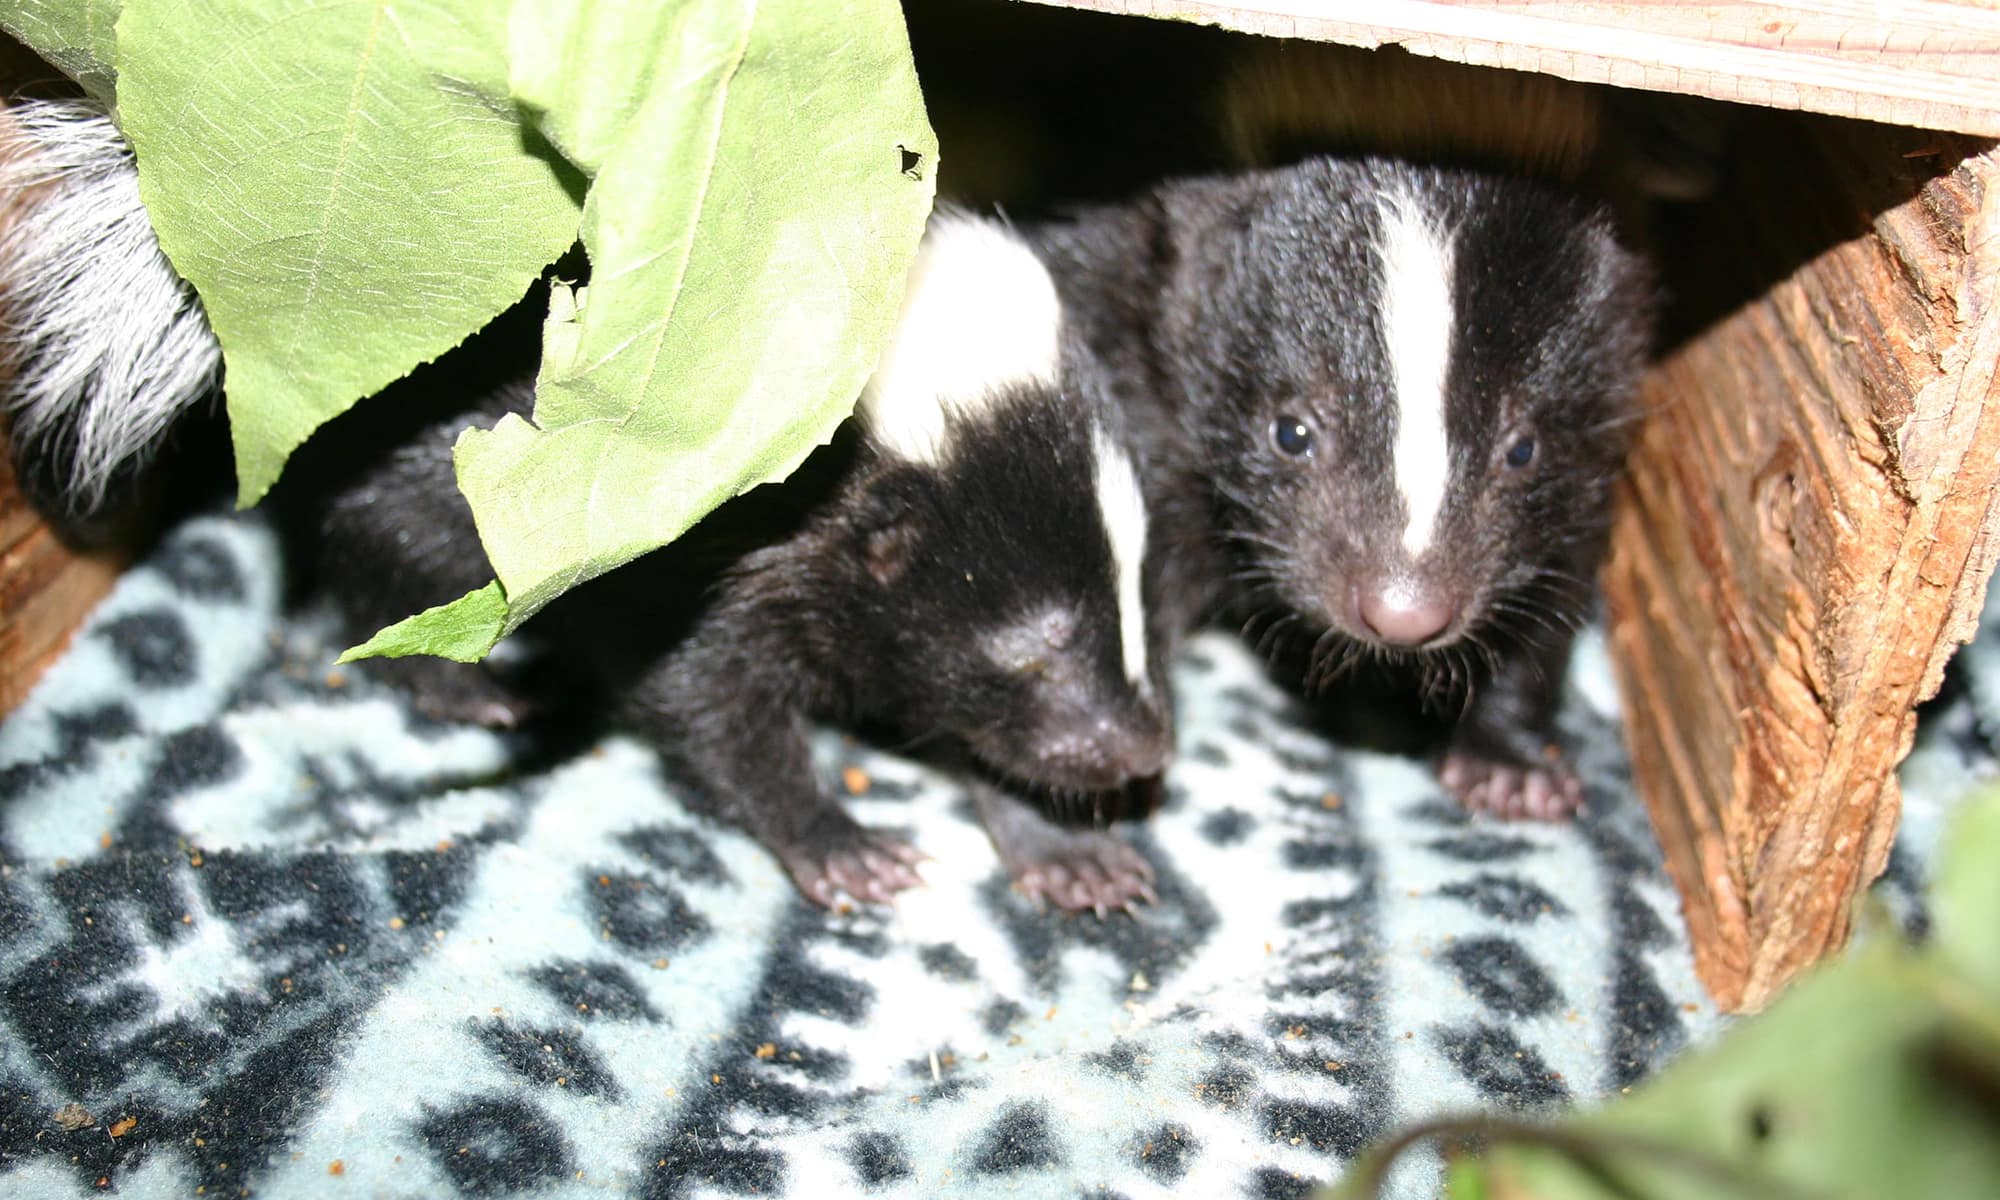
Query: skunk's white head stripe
x=1417 y=319
x=980 y=312
x=1123 y=509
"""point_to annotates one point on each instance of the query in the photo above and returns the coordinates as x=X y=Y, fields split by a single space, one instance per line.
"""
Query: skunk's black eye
x=1521 y=453
x=1292 y=436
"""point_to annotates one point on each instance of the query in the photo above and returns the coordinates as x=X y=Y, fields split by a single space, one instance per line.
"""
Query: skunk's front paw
x=1085 y=869
x=1546 y=791
x=857 y=863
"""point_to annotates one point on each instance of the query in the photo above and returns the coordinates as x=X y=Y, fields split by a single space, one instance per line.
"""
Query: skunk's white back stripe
x=1123 y=508
x=980 y=313
x=1417 y=317
x=109 y=344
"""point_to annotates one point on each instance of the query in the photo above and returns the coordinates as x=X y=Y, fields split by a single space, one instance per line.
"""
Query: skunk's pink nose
x=1403 y=613
x=1134 y=746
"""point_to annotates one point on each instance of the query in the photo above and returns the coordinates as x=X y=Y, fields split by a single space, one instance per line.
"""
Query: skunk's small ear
x=888 y=531
x=889 y=551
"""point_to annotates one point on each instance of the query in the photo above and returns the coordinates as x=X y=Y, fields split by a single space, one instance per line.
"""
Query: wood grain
x=46 y=590
x=1933 y=64
x=1808 y=530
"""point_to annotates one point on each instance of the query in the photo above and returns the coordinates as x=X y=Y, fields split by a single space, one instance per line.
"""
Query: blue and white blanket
x=264 y=931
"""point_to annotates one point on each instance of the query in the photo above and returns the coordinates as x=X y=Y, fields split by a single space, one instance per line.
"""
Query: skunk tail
x=102 y=345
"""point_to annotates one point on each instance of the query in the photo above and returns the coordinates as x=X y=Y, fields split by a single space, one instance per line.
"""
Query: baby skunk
x=1402 y=393
x=963 y=566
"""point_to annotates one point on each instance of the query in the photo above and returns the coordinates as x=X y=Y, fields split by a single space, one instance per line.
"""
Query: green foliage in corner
x=1876 y=1077
x=354 y=188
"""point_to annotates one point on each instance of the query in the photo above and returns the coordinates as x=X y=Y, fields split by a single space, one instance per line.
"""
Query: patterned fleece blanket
x=265 y=931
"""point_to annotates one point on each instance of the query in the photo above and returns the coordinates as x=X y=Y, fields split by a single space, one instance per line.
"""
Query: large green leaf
x=77 y=37
x=761 y=174
x=347 y=184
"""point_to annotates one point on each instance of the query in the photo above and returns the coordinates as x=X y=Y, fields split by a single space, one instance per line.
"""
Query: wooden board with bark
x=1809 y=526
x=46 y=590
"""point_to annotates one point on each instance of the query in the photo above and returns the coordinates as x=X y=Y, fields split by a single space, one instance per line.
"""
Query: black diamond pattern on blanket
x=1505 y=1071
x=496 y=1145
x=200 y=998
x=262 y=928
x=153 y=646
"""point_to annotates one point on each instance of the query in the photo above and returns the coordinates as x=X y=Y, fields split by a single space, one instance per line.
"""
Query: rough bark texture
x=1809 y=527
x=1929 y=63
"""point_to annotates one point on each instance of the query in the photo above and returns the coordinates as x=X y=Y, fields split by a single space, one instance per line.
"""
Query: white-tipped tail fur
x=104 y=342
x=979 y=313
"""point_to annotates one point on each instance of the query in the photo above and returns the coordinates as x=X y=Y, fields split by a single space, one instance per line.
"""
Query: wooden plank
x=1808 y=529
x=1933 y=64
x=46 y=590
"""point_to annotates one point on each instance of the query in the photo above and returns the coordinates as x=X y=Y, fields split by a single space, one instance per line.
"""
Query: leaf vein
x=738 y=54
x=347 y=137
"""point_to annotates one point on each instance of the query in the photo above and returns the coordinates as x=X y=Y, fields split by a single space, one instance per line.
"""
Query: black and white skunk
x=964 y=566
x=1402 y=392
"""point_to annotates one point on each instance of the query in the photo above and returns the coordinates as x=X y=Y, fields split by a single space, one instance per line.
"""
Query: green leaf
x=464 y=629
x=753 y=210
x=346 y=184
x=77 y=37
x=1464 y=1180
x=1967 y=902
x=1840 y=1089
x=1872 y=1077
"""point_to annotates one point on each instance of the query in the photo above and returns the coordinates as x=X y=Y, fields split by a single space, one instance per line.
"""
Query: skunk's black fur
x=1228 y=306
x=967 y=606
